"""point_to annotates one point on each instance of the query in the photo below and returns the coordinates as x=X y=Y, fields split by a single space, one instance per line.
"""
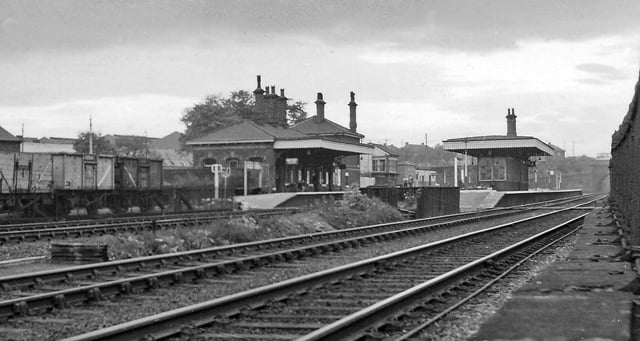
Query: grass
x=354 y=210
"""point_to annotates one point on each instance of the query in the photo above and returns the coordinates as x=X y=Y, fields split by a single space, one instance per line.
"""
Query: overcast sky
x=442 y=68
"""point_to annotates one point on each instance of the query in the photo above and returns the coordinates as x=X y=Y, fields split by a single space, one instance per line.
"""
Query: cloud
x=463 y=25
x=156 y=115
x=602 y=71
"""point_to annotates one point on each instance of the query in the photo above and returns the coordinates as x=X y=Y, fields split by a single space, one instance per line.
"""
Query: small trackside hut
x=502 y=160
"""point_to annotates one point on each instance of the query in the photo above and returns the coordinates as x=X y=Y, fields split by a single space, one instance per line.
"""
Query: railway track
x=18 y=233
x=189 y=268
x=356 y=301
x=191 y=265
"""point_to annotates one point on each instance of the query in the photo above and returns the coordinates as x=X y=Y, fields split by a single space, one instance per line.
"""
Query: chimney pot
x=281 y=112
x=353 y=125
x=258 y=93
x=320 y=108
x=511 y=122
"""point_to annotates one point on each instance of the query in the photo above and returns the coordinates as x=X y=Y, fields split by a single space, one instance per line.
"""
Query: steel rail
x=151 y=218
x=129 y=219
x=27 y=233
x=169 y=323
x=37 y=278
x=24 y=235
x=62 y=298
x=347 y=327
x=416 y=330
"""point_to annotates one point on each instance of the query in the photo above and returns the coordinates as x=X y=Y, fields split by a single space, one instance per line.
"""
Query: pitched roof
x=7 y=136
x=171 y=141
x=515 y=145
x=246 y=132
x=312 y=126
x=488 y=138
x=388 y=149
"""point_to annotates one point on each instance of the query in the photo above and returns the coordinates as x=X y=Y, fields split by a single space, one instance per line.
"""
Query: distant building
x=169 y=149
x=48 y=145
x=381 y=165
x=8 y=142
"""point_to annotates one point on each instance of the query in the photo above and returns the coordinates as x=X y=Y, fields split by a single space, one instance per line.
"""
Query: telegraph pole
x=90 y=135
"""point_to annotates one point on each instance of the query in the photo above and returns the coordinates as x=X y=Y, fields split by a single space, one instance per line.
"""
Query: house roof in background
x=171 y=141
x=7 y=136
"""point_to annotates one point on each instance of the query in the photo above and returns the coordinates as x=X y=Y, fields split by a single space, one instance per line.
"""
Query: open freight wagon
x=59 y=184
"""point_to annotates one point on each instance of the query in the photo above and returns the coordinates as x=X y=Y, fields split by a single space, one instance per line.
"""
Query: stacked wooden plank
x=78 y=253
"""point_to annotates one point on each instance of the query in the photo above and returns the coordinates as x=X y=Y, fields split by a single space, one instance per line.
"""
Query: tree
x=100 y=144
x=134 y=146
x=217 y=112
x=296 y=113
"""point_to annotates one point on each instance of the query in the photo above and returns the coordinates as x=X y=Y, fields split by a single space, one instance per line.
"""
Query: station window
x=485 y=169
x=492 y=169
x=379 y=165
x=208 y=162
x=499 y=169
x=233 y=162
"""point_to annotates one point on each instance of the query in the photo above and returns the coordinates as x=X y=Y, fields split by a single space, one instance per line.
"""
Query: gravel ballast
x=77 y=320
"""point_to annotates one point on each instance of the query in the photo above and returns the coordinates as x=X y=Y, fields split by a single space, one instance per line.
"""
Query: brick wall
x=228 y=155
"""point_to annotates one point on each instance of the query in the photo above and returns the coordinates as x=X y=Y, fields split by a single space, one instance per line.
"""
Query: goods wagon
x=45 y=173
x=41 y=183
x=82 y=172
x=141 y=174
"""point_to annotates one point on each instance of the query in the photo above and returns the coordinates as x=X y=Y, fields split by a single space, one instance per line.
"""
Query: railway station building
x=503 y=161
x=266 y=155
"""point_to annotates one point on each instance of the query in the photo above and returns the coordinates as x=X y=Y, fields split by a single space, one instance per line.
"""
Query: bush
x=357 y=209
x=354 y=210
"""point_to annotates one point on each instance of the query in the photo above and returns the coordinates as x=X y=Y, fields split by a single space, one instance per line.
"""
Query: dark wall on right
x=625 y=169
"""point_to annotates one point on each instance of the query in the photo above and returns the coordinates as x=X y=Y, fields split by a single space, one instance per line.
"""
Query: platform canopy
x=320 y=143
x=521 y=147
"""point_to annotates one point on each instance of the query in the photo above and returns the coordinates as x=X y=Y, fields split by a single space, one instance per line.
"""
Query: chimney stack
x=258 y=93
x=282 y=109
x=271 y=105
x=511 y=122
x=320 y=108
x=353 y=125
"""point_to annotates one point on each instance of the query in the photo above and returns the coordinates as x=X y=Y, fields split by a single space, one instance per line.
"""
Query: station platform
x=287 y=199
x=585 y=297
x=473 y=200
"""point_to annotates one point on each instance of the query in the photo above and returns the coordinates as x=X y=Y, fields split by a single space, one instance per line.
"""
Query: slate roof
x=171 y=141
x=7 y=136
x=489 y=138
x=247 y=132
x=480 y=145
x=390 y=150
x=326 y=127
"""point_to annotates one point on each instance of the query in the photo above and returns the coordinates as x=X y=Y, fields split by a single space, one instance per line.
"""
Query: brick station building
x=316 y=154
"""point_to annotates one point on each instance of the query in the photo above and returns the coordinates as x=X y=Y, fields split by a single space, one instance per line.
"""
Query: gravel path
x=466 y=321
x=77 y=320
